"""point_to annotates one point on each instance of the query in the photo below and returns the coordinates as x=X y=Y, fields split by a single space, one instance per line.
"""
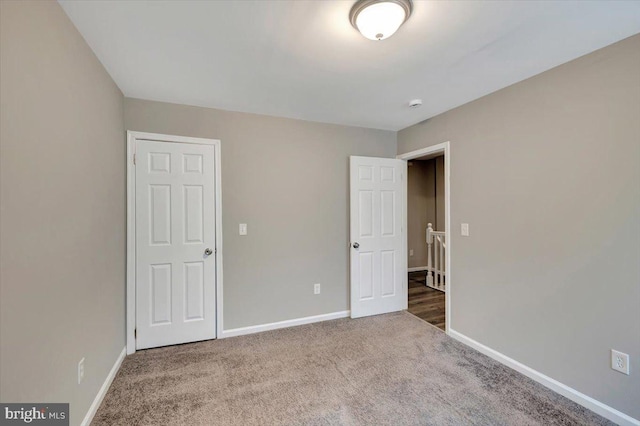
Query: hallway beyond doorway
x=424 y=302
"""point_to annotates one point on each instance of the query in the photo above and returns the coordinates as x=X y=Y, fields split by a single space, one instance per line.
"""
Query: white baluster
x=436 y=262
x=441 y=257
x=444 y=264
x=429 y=264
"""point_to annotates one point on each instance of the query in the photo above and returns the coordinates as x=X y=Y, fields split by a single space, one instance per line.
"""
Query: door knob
x=356 y=245
x=208 y=252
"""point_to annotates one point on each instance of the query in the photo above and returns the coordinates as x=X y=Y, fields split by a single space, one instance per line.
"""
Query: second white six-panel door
x=378 y=255
x=175 y=243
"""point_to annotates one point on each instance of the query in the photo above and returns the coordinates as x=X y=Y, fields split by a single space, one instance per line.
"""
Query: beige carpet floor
x=392 y=369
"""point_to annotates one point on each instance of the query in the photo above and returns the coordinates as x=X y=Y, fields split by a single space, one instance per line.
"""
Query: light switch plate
x=464 y=229
x=243 y=229
x=80 y=370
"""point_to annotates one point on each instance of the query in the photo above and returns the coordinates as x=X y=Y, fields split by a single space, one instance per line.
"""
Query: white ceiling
x=302 y=59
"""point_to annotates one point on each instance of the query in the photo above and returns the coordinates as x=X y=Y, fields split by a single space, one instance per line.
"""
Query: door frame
x=441 y=148
x=132 y=138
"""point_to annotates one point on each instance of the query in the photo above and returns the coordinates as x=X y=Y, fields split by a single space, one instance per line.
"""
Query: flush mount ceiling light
x=379 y=19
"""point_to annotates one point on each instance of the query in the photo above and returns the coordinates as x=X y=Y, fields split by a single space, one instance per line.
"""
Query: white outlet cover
x=243 y=229
x=464 y=229
x=411 y=252
x=316 y=289
x=620 y=361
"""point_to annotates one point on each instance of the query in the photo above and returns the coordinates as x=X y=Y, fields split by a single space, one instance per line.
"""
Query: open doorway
x=427 y=235
x=426 y=239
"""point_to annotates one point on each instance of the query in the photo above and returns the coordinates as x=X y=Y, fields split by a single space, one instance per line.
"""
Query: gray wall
x=62 y=195
x=421 y=208
x=288 y=180
x=547 y=174
x=440 y=222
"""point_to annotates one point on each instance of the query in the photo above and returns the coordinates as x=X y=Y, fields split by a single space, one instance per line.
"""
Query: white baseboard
x=283 y=324
x=418 y=269
x=564 y=390
x=103 y=390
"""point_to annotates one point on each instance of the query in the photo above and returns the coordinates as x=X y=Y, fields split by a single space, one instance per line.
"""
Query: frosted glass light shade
x=379 y=19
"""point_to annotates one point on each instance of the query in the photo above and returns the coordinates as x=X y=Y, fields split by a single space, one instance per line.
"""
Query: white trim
x=404 y=236
x=283 y=324
x=446 y=150
x=418 y=269
x=564 y=390
x=132 y=137
x=432 y=150
x=131 y=245
x=171 y=138
x=103 y=390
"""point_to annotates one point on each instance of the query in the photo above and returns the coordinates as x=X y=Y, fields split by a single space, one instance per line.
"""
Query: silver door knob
x=208 y=252
x=356 y=245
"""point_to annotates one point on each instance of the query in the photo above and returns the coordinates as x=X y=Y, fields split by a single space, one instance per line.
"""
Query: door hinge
x=134 y=158
x=135 y=333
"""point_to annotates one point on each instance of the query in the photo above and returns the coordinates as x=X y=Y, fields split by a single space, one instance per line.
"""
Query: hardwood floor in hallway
x=424 y=302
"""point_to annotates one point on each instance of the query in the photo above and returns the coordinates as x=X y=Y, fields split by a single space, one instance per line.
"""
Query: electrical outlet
x=464 y=229
x=243 y=229
x=411 y=252
x=620 y=361
x=316 y=288
x=80 y=371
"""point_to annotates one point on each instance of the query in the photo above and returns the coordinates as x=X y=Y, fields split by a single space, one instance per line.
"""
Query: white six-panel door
x=175 y=230
x=378 y=258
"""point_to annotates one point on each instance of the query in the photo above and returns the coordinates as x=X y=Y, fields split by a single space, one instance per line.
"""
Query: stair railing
x=436 y=249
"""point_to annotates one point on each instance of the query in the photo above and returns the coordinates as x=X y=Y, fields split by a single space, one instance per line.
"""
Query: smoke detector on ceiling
x=415 y=103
